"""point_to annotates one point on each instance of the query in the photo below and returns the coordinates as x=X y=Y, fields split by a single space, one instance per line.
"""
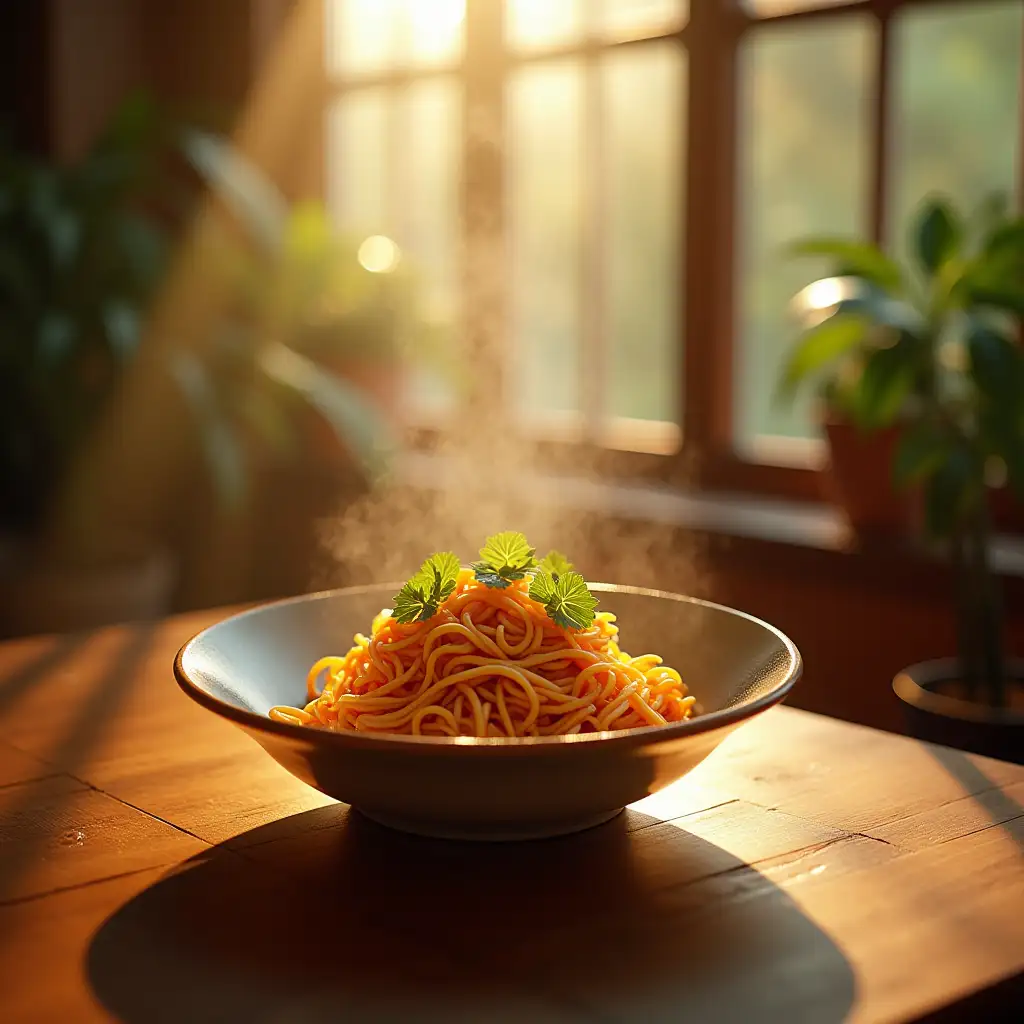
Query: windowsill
x=808 y=525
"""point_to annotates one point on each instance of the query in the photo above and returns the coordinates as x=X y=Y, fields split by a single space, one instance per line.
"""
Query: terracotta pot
x=37 y=596
x=860 y=479
x=934 y=712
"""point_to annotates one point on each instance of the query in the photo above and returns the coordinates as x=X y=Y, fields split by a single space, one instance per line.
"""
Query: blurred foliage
x=931 y=345
x=954 y=95
x=304 y=326
x=82 y=249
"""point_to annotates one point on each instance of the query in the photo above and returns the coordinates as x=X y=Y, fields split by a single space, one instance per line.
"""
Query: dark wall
x=24 y=94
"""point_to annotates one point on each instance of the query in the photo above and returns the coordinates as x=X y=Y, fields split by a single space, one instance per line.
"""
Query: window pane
x=392 y=169
x=806 y=94
x=531 y=24
x=631 y=19
x=957 y=105
x=378 y=35
x=544 y=164
x=429 y=220
x=767 y=8
x=643 y=189
x=357 y=149
x=433 y=30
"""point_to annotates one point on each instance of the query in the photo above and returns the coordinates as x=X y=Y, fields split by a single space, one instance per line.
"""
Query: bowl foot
x=489 y=832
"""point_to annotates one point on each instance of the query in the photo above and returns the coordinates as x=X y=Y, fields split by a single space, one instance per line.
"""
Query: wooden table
x=156 y=865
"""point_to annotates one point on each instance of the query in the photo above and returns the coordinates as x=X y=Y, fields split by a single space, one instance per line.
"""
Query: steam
x=483 y=477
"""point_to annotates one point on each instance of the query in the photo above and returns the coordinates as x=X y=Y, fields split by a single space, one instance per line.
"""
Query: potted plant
x=931 y=350
x=82 y=248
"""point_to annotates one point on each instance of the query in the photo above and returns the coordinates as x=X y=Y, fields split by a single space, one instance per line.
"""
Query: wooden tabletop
x=156 y=865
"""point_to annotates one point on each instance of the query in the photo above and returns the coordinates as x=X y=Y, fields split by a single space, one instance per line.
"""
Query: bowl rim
x=638 y=736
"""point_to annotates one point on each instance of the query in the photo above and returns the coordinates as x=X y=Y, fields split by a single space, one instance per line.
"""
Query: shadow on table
x=358 y=923
x=999 y=805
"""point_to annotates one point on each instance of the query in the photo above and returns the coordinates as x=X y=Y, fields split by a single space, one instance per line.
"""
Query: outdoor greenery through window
x=658 y=157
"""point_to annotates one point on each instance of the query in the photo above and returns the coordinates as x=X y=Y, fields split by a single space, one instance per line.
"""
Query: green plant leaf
x=855 y=259
x=508 y=549
x=567 y=599
x=434 y=581
x=555 y=563
x=491 y=577
x=996 y=365
x=355 y=421
x=937 y=235
x=822 y=345
x=885 y=384
x=250 y=195
x=921 y=451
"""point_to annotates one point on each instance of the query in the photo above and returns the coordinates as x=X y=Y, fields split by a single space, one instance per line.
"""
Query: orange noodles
x=489 y=663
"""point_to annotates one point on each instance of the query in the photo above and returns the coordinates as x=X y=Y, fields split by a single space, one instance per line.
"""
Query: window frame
x=708 y=456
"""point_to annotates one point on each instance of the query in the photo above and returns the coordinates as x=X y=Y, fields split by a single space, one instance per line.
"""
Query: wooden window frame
x=712 y=35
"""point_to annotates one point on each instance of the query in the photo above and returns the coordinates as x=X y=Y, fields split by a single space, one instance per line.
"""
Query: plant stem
x=990 y=611
x=983 y=659
x=963 y=583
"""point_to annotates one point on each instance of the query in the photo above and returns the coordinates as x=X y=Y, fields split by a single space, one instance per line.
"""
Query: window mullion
x=484 y=252
x=711 y=37
x=882 y=127
x=592 y=279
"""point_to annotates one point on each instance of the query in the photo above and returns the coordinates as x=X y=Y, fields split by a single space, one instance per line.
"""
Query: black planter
x=952 y=722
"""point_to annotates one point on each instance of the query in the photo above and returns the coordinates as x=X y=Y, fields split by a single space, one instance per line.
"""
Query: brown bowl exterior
x=735 y=665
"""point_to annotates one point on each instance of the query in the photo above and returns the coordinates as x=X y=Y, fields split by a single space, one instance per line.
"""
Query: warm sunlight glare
x=825 y=294
x=378 y=254
x=435 y=20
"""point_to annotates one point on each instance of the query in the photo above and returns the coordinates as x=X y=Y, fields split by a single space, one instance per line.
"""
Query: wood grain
x=59 y=833
x=809 y=870
x=16 y=766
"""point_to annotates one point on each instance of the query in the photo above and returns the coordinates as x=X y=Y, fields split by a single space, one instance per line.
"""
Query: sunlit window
x=598 y=148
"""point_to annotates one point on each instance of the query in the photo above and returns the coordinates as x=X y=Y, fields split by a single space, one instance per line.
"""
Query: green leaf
x=823 y=344
x=497 y=578
x=431 y=584
x=937 y=235
x=920 y=452
x=555 y=563
x=352 y=417
x=244 y=188
x=542 y=587
x=508 y=549
x=997 y=365
x=567 y=599
x=410 y=605
x=856 y=259
x=885 y=384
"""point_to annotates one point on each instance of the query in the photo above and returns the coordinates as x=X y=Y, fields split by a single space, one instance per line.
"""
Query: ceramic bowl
x=735 y=665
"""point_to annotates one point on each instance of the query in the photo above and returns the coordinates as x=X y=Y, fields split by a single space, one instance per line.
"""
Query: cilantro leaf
x=508 y=550
x=566 y=598
x=556 y=563
x=422 y=595
x=410 y=605
x=542 y=587
x=572 y=604
x=498 y=578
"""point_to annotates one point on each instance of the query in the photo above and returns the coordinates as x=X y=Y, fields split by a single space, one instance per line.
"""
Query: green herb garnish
x=565 y=597
x=555 y=563
x=505 y=557
x=420 y=598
